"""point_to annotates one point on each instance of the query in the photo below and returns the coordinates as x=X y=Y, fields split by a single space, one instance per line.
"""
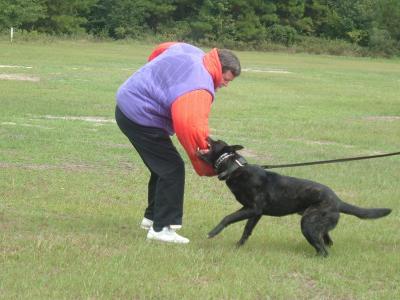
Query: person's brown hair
x=229 y=61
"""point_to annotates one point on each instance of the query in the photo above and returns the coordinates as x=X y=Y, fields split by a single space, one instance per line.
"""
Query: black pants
x=167 y=179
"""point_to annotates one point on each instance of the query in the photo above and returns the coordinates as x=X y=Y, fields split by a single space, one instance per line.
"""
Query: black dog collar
x=237 y=163
x=221 y=159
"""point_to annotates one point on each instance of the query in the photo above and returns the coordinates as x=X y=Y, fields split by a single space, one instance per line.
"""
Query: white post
x=12 y=34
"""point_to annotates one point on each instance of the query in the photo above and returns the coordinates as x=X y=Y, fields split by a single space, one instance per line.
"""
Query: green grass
x=73 y=192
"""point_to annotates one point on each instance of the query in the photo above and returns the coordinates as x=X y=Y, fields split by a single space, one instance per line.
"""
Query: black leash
x=328 y=161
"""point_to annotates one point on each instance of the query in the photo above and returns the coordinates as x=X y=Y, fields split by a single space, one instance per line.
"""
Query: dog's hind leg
x=327 y=240
x=315 y=239
x=248 y=229
x=330 y=221
x=313 y=231
x=316 y=222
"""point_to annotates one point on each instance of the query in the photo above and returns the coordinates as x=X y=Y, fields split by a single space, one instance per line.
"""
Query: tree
x=387 y=17
x=15 y=13
x=252 y=18
x=214 y=21
x=234 y=20
x=98 y=18
x=127 y=18
x=292 y=13
x=317 y=11
x=64 y=16
x=368 y=23
x=349 y=19
x=384 y=36
x=159 y=14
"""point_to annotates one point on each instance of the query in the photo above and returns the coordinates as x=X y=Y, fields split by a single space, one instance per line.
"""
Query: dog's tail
x=364 y=213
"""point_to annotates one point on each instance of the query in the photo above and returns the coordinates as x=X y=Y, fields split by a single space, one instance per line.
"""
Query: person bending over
x=172 y=93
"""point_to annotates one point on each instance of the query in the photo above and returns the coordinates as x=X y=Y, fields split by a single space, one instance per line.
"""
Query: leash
x=328 y=161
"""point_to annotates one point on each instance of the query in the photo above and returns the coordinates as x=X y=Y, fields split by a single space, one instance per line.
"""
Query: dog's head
x=217 y=149
x=223 y=157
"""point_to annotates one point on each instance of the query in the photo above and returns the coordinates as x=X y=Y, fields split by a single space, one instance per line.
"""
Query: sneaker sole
x=174 y=227
x=168 y=242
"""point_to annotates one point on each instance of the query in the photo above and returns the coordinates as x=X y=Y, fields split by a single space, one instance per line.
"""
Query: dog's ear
x=236 y=147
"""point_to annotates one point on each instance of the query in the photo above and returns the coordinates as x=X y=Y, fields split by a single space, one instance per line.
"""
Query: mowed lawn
x=72 y=192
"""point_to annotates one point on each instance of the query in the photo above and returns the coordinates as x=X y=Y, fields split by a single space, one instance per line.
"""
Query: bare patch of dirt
x=308 y=281
x=310 y=142
x=10 y=66
x=19 y=77
x=262 y=70
x=124 y=166
x=6 y=223
x=116 y=145
x=248 y=153
x=383 y=118
x=80 y=118
x=64 y=166
x=25 y=125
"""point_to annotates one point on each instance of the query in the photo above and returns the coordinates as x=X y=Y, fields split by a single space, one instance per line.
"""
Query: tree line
x=372 y=24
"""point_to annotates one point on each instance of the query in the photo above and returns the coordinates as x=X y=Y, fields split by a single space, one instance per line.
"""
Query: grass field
x=72 y=192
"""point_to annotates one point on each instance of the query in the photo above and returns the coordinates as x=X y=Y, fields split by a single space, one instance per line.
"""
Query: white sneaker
x=175 y=227
x=168 y=235
x=147 y=223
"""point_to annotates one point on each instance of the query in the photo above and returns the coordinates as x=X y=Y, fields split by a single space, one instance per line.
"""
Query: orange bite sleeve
x=190 y=119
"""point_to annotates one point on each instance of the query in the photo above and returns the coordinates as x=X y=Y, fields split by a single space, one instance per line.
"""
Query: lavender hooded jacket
x=147 y=96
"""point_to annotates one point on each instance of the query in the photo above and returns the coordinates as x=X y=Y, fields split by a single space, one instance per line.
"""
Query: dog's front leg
x=242 y=214
x=248 y=229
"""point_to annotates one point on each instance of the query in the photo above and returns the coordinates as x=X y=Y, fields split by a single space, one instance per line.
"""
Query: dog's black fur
x=266 y=193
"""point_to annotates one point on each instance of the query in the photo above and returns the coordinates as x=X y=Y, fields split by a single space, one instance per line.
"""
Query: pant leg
x=168 y=204
x=167 y=180
x=152 y=186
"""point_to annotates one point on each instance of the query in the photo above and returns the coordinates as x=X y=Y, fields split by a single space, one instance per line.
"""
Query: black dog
x=266 y=193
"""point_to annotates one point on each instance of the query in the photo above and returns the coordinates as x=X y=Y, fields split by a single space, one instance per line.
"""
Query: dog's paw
x=239 y=244
x=210 y=235
x=215 y=231
x=322 y=254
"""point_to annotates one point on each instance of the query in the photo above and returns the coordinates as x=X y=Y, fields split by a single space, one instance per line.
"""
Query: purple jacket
x=147 y=96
